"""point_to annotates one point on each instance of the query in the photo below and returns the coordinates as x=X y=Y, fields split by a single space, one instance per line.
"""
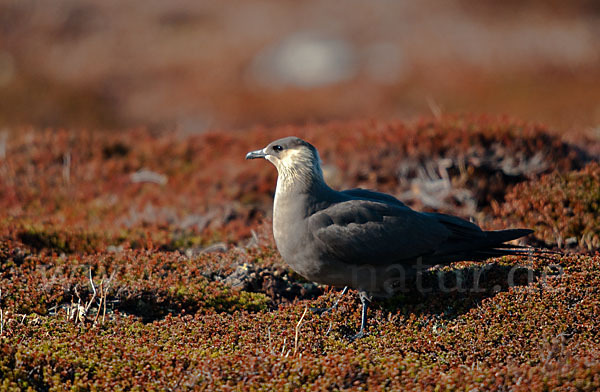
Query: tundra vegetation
x=144 y=261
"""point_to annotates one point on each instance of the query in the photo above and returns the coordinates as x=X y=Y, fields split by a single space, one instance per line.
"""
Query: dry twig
x=298 y=330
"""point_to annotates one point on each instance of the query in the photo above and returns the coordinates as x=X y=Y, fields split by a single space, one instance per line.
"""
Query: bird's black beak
x=255 y=154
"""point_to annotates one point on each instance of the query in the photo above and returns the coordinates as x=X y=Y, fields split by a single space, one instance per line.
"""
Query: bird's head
x=294 y=158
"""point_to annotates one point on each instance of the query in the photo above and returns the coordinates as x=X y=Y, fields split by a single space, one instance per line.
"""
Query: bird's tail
x=468 y=242
x=501 y=236
x=494 y=245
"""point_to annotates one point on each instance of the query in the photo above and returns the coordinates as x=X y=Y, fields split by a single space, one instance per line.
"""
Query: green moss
x=231 y=301
x=65 y=241
x=185 y=240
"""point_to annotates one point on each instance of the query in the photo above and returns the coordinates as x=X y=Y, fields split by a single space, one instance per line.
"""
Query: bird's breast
x=292 y=237
x=287 y=227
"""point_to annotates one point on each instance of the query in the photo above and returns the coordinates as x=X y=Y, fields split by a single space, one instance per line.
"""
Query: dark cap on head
x=280 y=145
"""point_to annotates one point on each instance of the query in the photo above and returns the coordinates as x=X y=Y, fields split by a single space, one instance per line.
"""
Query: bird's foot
x=359 y=335
x=364 y=299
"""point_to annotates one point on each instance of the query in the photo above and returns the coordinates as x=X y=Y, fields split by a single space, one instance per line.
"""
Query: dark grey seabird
x=362 y=239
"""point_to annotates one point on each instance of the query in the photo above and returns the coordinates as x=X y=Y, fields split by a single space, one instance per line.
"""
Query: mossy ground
x=563 y=208
x=109 y=282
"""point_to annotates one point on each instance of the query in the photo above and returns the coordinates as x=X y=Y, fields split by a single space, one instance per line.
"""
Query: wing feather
x=368 y=231
x=372 y=195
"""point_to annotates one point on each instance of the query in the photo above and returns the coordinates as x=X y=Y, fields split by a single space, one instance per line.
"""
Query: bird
x=360 y=238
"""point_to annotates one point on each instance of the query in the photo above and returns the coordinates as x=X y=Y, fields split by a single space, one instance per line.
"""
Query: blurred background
x=199 y=65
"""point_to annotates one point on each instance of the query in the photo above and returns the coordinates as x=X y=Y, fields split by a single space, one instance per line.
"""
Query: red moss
x=563 y=208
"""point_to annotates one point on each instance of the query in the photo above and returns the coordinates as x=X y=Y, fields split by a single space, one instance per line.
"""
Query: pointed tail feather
x=493 y=244
x=500 y=236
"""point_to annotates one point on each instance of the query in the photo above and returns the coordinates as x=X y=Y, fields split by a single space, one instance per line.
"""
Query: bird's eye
x=277 y=148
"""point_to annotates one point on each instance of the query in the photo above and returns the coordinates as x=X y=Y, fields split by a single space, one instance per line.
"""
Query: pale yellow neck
x=298 y=169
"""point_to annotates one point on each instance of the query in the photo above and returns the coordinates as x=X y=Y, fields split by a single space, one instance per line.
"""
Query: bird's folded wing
x=366 y=231
x=372 y=195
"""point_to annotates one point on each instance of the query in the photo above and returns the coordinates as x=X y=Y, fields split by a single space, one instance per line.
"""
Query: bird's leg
x=364 y=299
x=320 y=311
